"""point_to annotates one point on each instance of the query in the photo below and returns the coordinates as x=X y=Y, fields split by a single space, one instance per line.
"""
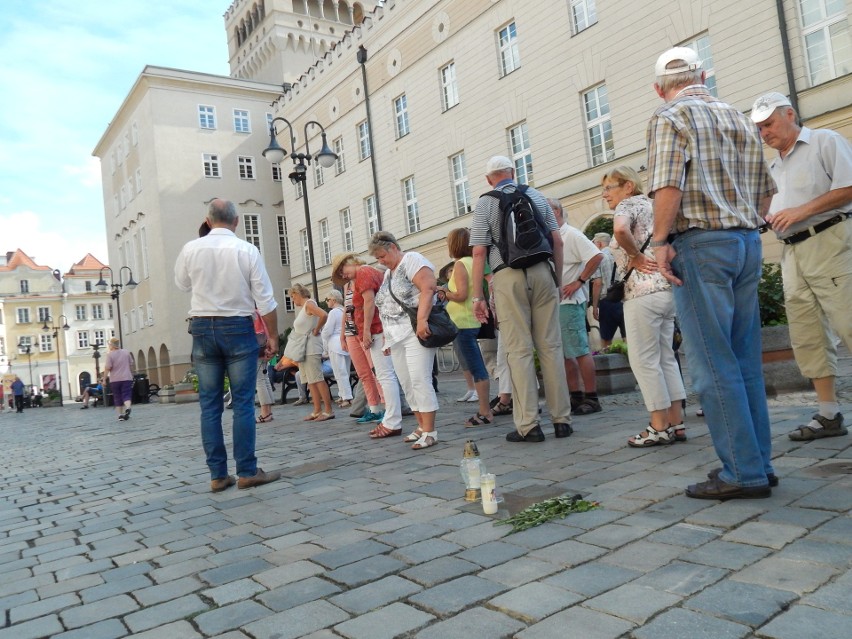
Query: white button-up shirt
x=226 y=276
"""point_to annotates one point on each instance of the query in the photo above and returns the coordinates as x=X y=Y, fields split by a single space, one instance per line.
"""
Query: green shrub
x=770 y=296
x=602 y=224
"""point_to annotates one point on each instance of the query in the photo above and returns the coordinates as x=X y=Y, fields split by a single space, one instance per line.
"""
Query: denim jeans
x=469 y=353
x=720 y=320
x=223 y=345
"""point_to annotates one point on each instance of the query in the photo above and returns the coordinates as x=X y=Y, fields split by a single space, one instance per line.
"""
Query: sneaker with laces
x=466 y=396
x=370 y=416
x=474 y=397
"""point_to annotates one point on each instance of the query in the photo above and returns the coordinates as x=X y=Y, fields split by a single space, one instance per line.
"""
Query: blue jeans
x=469 y=353
x=720 y=320
x=226 y=345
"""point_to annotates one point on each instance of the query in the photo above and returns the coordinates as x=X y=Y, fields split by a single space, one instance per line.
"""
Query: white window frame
x=139 y=180
x=24 y=341
x=598 y=117
x=521 y=153
x=461 y=186
x=412 y=208
x=211 y=166
x=242 y=121
x=507 y=48
x=583 y=15
x=246 y=167
x=371 y=215
x=364 y=149
x=347 y=230
x=306 y=254
x=400 y=113
x=133 y=326
x=277 y=173
x=340 y=162
x=24 y=286
x=289 y=306
x=325 y=241
x=283 y=241
x=319 y=175
x=701 y=45
x=300 y=189
x=97 y=311
x=143 y=248
x=206 y=117
x=149 y=309
x=80 y=313
x=43 y=313
x=251 y=226
x=82 y=339
x=45 y=343
x=449 y=86
x=825 y=23
x=99 y=337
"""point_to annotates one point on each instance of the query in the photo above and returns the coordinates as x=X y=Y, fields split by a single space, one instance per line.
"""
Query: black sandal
x=502 y=409
x=477 y=420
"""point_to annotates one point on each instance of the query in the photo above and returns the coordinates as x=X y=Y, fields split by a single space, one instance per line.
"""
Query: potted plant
x=612 y=369
x=780 y=372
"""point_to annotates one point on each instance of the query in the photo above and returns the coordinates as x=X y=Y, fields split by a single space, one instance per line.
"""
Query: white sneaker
x=474 y=397
x=466 y=397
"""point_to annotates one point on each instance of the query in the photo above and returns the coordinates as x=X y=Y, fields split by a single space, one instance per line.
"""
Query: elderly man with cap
x=711 y=189
x=527 y=305
x=810 y=214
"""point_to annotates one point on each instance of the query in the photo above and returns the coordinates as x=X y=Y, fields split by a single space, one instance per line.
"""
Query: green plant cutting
x=547 y=510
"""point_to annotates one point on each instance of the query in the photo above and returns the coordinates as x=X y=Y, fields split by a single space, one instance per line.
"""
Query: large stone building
x=415 y=95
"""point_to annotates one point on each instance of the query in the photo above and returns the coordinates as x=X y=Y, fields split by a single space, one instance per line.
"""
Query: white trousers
x=413 y=364
x=340 y=365
x=387 y=378
x=263 y=387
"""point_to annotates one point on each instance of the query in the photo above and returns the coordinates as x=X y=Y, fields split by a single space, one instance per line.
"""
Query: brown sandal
x=311 y=417
x=381 y=431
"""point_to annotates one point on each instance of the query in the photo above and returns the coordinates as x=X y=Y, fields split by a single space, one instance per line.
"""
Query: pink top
x=119 y=365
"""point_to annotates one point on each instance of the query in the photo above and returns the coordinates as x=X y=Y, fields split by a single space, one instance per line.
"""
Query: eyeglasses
x=612 y=187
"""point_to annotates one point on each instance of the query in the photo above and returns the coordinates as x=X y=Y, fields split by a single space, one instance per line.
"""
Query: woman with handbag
x=649 y=312
x=405 y=301
x=308 y=324
x=363 y=339
x=459 y=295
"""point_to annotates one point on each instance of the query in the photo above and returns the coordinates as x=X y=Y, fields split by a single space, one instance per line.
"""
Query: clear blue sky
x=65 y=68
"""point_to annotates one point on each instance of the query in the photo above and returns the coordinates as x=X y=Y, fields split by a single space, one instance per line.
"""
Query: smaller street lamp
x=55 y=330
x=102 y=286
x=96 y=355
x=27 y=348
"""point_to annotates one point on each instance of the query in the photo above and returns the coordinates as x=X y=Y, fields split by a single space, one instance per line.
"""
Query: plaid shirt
x=713 y=154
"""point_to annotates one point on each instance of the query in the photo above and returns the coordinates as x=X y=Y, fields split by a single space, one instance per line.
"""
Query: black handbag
x=615 y=292
x=442 y=329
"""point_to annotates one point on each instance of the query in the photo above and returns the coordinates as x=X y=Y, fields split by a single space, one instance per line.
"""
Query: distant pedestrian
x=18 y=392
x=119 y=366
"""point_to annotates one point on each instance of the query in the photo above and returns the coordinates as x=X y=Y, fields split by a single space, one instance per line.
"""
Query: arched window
x=358 y=13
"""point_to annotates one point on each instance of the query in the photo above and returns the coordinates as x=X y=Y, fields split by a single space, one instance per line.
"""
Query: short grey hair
x=669 y=82
x=382 y=240
x=222 y=212
x=335 y=295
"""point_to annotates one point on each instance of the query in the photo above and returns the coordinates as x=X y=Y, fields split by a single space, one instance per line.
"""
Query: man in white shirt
x=228 y=279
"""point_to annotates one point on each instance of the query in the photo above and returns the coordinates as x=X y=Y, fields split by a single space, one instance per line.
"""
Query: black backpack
x=524 y=239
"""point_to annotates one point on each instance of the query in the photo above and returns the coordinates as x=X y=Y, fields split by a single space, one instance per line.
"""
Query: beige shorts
x=311 y=369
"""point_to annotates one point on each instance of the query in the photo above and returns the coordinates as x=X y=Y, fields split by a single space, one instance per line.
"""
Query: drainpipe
x=788 y=61
x=361 y=56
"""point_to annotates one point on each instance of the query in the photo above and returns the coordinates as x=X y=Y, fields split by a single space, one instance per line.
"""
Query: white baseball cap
x=498 y=163
x=765 y=106
x=688 y=56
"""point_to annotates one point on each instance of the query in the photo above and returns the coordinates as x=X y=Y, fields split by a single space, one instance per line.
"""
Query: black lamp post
x=27 y=348
x=96 y=354
x=301 y=161
x=55 y=330
x=102 y=286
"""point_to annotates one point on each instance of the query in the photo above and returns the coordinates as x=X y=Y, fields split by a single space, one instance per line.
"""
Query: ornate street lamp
x=96 y=355
x=27 y=348
x=55 y=330
x=102 y=286
x=301 y=161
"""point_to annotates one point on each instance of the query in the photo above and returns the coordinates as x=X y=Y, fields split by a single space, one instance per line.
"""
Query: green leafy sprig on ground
x=547 y=510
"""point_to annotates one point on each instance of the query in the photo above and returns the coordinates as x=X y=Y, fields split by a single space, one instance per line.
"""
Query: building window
x=583 y=15
x=80 y=311
x=412 y=211
x=46 y=343
x=211 y=165
x=97 y=311
x=149 y=308
x=519 y=142
x=23 y=315
x=125 y=323
x=251 y=224
x=241 y=121
x=122 y=198
x=507 y=41
x=828 y=43
x=2 y=346
x=319 y=176
x=400 y=109
x=599 y=125
x=99 y=337
x=206 y=117
x=82 y=339
x=363 y=140
x=461 y=188
x=143 y=248
x=110 y=313
x=246 y=167
x=138 y=180
x=25 y=286
x=43 y=314
x=306 y=254
x=276 y=172
x=300 y=189
x=283 y=243
x=24 y=342
x=701 y=45
x=339 y=163
x=449 y=88
x=325 y=239
x=346 y=228
x=88 y=286
x=371 y=213
x=132 y=320
x=288 y=303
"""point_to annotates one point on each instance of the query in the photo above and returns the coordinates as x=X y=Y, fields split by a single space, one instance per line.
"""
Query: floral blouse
x=640 y=214
x=396 y=321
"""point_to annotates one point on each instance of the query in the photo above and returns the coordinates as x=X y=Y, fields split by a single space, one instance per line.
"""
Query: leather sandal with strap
x=502 y=409
x=651 y=437
x=381 y=431
x=414 y=436
x=426 y=440
x=679 y=432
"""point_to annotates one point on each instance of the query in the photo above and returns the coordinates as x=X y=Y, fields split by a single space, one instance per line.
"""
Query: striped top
x=713 y=154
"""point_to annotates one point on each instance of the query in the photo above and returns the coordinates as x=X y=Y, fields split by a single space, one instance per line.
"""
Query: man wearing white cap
x=810 y=214
x=711 y=189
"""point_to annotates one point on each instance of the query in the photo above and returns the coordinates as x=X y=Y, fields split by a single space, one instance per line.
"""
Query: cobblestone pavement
x=107 y=530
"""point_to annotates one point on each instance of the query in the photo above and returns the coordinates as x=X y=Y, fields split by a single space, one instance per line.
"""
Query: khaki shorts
x=311 y=369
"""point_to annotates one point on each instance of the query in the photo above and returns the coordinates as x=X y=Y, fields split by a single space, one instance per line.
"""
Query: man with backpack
x=514 y=229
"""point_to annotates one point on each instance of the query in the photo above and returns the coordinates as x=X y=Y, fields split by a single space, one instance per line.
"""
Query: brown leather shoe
x=717 y=489
x=218 y=485
x=258 y=479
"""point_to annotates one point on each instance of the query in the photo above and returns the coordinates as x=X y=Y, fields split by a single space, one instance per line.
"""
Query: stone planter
x=780 y=372
x=166 y=395
x=185 y=393
x=613 y=374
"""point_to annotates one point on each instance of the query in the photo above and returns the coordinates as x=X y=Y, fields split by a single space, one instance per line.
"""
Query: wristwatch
x=477 y=299
x=657 y=243
x=581 y=280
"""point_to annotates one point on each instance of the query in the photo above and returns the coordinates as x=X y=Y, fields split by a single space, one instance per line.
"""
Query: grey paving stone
x=456 y=595
x=231 y=617
x=235 y=591
x=178 y=571
x=836 y=500
x=125 y=572
x=376 y=594
x=801 y=621
x=99 y=610
x=42 y=607
x=540 y=536
x=439 y=570
x=644 y=556
x=476 y=535
x=682 y=578
x=349 y=554
x=412 y=534
x=178 y=630
x=390 y=622
x=232 y=572
x=167 y=591
x=804 y=517
x=594 y=518
x=724 y=554
x=282 y=575
x=108 y=629
x=534 y=601
x=477 y=622
x=838 y=530
x=687 y=535
x=676 y=624
x=593 y=578
x=425 y=550
x=585 y=623
x=112 y=588
x=492 y=553
x=365 y=570
x=834 y=597
x=633 y=602
x=748 y=604
x=771 y=534
x=517 y=572
x=810 y=549
x=568 y=553
x=787 y=574
x=297 y=622
x=297 y=593
x=166 y=612
x=729 y=514
x=614 y=535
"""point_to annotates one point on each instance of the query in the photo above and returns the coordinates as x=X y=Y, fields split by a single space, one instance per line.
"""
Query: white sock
x=375 y=410
x=829 y=409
